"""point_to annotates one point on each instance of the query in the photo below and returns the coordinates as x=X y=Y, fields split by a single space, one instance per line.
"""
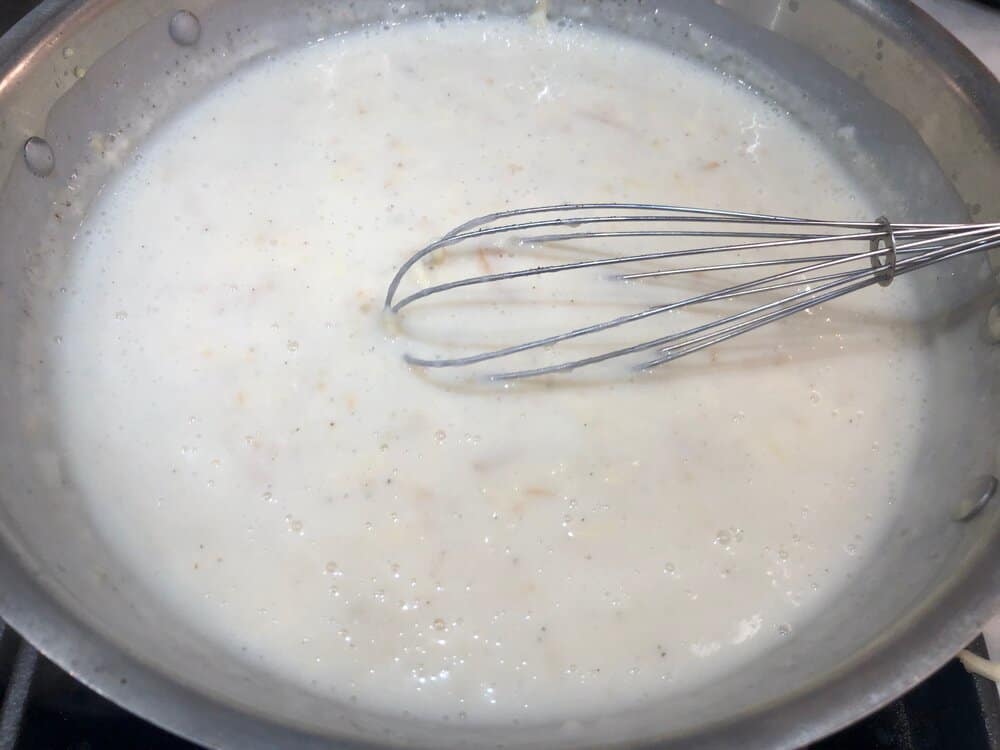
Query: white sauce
x=250 y=442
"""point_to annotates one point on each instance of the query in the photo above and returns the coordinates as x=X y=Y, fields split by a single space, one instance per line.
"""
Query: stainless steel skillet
x=91 y=77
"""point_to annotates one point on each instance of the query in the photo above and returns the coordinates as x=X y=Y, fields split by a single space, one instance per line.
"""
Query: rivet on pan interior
x=39 y=156
x=185 y=28
x=993 y=323
x=981 y=492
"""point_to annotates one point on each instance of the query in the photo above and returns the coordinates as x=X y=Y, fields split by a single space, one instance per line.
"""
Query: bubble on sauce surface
x=184 y=28
x=39 y=156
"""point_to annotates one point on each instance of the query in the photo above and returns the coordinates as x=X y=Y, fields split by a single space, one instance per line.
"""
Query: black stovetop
x=44 y=708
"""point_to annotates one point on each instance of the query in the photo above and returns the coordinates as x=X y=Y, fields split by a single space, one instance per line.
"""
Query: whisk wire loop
x=807 y=280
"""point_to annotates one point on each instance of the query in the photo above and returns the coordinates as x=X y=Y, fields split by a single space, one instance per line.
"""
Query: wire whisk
x=822 y=260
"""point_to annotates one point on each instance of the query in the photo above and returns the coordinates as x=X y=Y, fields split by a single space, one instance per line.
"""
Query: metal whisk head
x=783 y=265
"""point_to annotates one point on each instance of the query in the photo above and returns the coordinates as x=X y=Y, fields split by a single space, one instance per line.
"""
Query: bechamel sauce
x=251 y=443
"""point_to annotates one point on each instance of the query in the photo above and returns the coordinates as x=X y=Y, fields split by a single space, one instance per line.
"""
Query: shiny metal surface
x=822 y=274
x=982 y=490
x=73 y=69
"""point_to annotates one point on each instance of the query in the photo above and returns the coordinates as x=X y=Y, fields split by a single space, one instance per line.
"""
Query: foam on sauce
x=251 y=444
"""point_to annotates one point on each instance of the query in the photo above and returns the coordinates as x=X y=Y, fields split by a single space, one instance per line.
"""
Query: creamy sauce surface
x=250 y=442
